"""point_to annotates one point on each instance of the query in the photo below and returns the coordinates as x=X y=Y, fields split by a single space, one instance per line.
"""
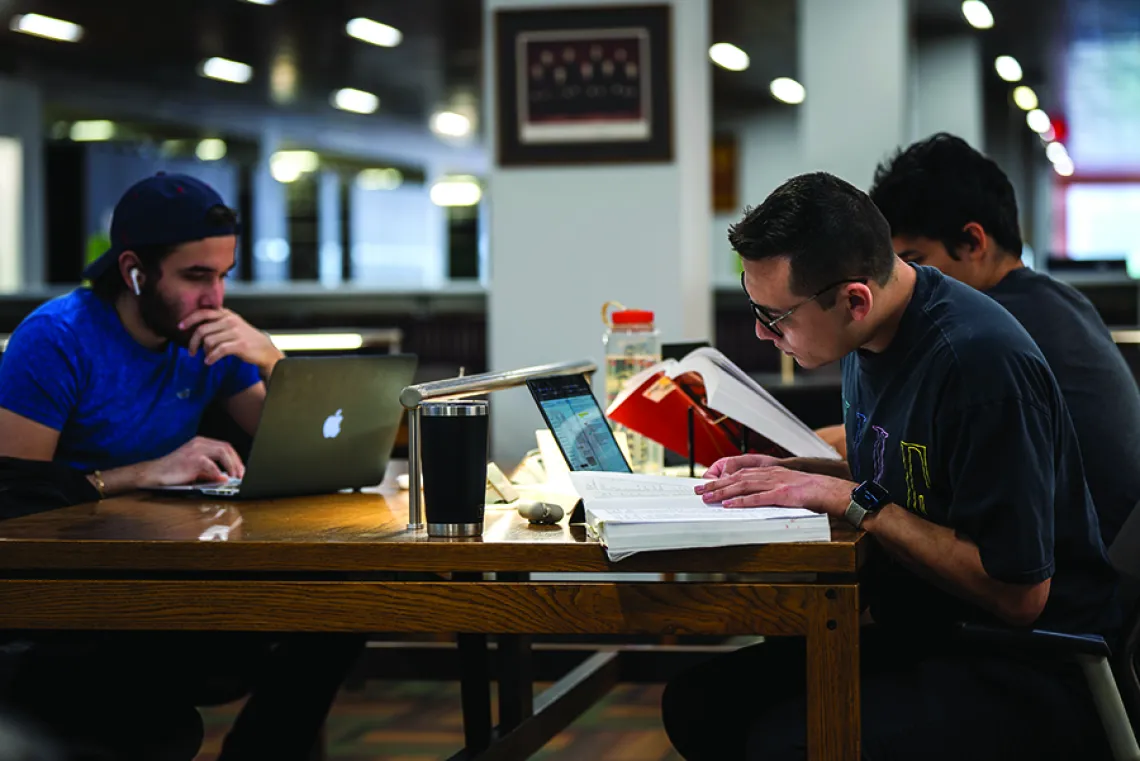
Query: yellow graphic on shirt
x=915 y=502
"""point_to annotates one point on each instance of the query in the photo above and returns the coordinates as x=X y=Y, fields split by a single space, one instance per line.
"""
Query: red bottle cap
x=631 y=317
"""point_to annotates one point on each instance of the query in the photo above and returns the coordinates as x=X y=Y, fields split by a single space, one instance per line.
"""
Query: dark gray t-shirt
x=1099 y=389
x=961 y=420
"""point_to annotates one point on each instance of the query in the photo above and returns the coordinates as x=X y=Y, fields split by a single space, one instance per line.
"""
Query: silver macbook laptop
x=329 y=423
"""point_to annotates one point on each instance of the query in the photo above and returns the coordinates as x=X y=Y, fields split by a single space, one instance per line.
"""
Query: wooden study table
x=341 y=563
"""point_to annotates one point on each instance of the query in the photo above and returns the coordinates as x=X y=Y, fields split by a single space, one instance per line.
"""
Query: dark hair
x=936 y=186
x=109 y=284
x=828 y=229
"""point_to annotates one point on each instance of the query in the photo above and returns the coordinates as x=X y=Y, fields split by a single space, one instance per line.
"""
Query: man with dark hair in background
x=964 y=469
x=952 y=208
x=110 y=383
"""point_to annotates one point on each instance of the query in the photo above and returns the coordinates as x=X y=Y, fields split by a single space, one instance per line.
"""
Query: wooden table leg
x=516 y=671
x=475 y=691
x=516 y=681
x=833 y=674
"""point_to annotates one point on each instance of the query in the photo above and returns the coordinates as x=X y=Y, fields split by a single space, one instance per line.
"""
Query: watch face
x=870 y=495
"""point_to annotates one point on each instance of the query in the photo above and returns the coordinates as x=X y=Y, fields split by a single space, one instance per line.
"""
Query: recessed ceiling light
x=226 y=70
x=1024 y=97
x=287 y=166
x=1038 y=121
x=357 y=101
x=728 y=56
x=461 y=190
x=373 y=32
x=86 y=131
x=450 y=124
x=1056 y=152
x=1008 y=68
x=379 y=179
x=1064 y=167
x=210 y=149
x=262 y=2
x=46 y=27
x=977 y=14
x=787 y=90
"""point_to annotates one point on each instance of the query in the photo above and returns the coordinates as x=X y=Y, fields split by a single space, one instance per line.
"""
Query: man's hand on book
x=728 y=465
x=775 y=486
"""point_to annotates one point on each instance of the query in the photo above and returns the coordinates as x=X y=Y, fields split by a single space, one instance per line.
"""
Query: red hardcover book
x=731 y=413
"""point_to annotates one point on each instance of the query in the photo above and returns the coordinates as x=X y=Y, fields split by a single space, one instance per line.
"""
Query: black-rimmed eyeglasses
x=769 y=320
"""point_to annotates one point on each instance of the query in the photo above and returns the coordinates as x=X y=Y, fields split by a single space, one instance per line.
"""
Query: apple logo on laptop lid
x=332 y=425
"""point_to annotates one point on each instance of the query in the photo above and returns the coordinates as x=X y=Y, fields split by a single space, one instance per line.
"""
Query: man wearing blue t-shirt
x=112 y=381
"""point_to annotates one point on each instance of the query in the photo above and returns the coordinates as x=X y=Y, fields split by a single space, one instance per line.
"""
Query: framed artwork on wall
x=583 y=85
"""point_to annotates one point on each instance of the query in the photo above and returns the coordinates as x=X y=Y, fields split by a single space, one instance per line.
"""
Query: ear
x=129 y=260
x=859 y=300
x=976 y=243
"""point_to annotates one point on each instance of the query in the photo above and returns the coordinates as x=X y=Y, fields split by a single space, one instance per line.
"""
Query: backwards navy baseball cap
x=163 y=210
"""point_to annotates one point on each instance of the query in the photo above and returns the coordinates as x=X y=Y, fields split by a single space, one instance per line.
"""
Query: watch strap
x=855 y=513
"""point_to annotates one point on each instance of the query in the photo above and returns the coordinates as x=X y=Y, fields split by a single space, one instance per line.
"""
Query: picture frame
x=583 y=85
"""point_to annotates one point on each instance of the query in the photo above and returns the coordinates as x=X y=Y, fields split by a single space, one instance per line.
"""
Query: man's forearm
x=119 y=480
x=821 y=465
x=953 y=563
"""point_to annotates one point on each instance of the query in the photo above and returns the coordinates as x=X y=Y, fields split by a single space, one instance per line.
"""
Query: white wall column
x=946 y=89
x=270 y=220
x=853 y=63
x=330 y=261
x=22 y=191
x=564 y=239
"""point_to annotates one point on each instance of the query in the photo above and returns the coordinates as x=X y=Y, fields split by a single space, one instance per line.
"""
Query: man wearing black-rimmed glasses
x=964 y=469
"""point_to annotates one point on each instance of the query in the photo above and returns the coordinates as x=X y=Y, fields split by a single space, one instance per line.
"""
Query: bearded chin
x=160 y=317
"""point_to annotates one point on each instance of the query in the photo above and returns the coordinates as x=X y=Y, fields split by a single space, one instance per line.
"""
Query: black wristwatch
x=866 y=498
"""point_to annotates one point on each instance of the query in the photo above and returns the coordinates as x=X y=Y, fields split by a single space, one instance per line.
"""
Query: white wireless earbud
x=135 y=281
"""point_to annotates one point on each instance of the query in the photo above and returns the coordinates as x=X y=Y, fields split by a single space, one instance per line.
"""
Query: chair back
x=1124 y=554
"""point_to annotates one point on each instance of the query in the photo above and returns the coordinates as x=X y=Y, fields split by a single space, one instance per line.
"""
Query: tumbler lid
x=455 y=408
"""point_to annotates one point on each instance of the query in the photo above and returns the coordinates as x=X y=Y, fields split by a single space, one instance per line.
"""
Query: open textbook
x=731 y=412
x=630 y=512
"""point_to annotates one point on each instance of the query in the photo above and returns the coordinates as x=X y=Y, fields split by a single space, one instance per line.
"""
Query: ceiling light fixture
x=374 y=33
x=1064 y=167
x=47 y=27
x=357 y=101
x=1038 y=121
x=1024 y=97
x=210 y=149
x=225 y=70
x=450 y=124
x=88 y=131
x=379 y=179
x=460 y=190
x=1008 y=68
x=977 y=14
x=787 y=90
x=728 y=56
x=1056 y=152
x=288 y=166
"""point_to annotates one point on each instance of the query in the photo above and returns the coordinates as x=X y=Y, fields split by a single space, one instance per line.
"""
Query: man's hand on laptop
x=198 y=460
x=222 y=333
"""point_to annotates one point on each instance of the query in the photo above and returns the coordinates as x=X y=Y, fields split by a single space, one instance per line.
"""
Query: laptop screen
x=578 y=424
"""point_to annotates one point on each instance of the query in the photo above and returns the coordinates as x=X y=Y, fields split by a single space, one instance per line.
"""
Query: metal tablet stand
x=454 y=388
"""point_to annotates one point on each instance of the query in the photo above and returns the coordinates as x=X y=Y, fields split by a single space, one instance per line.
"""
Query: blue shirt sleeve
x=41 y=372
x=238 y=376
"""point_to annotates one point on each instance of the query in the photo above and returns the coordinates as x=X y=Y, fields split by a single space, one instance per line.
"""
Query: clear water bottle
x=632 y=344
